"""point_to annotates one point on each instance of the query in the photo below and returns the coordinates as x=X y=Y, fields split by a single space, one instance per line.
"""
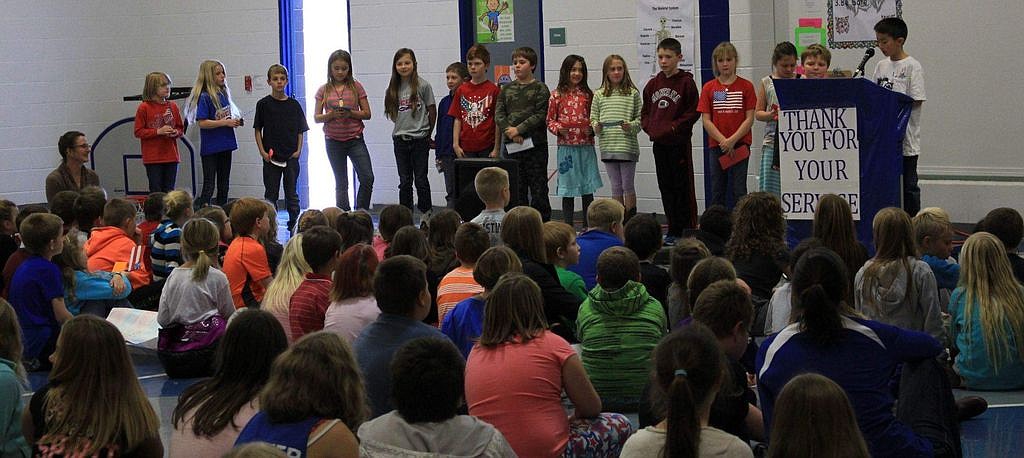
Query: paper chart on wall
x=851 y=24
x=660 y=19
x=495 y=21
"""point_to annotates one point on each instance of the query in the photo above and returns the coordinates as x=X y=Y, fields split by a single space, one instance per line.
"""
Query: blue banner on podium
x=882 y=117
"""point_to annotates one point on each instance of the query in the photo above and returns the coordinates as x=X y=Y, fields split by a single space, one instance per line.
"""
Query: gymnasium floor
x=999 y=432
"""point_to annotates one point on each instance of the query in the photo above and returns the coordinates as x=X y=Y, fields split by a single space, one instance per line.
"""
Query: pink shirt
x=518 y=389
x=348 y=317
x=344 y=128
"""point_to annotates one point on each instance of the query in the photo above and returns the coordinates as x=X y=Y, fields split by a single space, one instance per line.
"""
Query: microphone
x=867 y=56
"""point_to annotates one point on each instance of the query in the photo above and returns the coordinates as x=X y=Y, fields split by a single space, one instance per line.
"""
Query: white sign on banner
x=819 y=154
x=851 y=23
x=657 y=20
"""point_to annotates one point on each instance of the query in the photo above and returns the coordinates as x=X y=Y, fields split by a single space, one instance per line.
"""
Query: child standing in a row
x=727 y=104
x=158 y=126
x=210 y=106
x=409 y=103
x=520 y=113
x=615 y=118
x=569 y=119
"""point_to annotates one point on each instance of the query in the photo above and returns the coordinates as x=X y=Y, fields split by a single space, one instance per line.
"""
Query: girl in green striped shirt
x=615 y=117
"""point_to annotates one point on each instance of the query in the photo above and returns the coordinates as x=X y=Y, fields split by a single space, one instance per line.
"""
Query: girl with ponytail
x=689 y=368
x=827 y=337
x=195 y=304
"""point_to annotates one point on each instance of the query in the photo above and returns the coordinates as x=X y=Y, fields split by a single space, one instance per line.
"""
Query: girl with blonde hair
x=290 y=274
x=987 y=320
x=895 y=287
x=92 y=404
x=194 y=306
x=210 y=106
x=166 y=243
x=313 y=402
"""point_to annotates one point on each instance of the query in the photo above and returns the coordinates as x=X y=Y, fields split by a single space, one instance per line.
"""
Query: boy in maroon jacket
x=668 y=115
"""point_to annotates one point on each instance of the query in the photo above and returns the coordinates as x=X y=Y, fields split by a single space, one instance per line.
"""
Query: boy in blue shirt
x=37 y=290
x=605 y=231
x=444 y=155
x=934 y=236
x=280 y=125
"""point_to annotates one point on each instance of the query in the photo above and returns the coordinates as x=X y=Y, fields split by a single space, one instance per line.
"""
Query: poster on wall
x=495 y=21
x=818 y=154
x=851 y=23
x=660 y=19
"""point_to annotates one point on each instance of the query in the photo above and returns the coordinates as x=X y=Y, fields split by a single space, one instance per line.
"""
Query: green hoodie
x=617 y=331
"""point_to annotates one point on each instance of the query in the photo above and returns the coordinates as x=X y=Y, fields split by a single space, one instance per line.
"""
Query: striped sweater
x=165 y=250
x=617 y=331
x=610 y=111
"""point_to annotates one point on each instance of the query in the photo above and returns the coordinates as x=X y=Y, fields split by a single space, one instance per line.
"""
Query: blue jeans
x=162 y=176
x=339 y=153
x=216 y=169
x=272 y=175
x=727 y=183
x=411 y=156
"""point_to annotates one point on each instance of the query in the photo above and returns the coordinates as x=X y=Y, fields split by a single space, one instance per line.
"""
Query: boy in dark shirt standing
x=280 y=125
x=668 y=115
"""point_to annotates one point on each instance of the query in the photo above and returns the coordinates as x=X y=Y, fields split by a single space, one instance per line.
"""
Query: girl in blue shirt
x=209 y=104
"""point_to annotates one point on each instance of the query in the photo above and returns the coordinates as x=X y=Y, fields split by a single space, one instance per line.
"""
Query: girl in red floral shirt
x=569 y=119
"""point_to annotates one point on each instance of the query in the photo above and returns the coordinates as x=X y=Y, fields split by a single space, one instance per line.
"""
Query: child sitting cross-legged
x=471 y=240
x=618 y=326
x=426 y=418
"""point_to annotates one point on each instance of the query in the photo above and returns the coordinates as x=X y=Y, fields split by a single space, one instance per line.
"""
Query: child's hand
x=597 y=129
x=518 y=139
x=117 y=283
x=459 y=152
x=494 y=153
x=166 y=130
x=727 y=146
x=432 y=144
x=265 y=156
x=512 y=132
x=296 y=154
x=626 y=127
x=563 y=131
x=439 y=165
x=775 y=112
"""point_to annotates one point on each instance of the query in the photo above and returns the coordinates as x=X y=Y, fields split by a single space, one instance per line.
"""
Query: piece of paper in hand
x=514 y=147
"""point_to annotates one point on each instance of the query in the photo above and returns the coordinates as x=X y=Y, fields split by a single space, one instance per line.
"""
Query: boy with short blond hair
x=933 y=235
x=474 y=133
x=280 y=125
x=471 y=240
x=115 y=246
x=605 y=231
x=904 y=74
x=492 y=186
x=563 y=251
x=37 y=289
x=245 y=262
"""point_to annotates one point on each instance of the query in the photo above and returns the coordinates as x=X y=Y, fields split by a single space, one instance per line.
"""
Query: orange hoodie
x=110 y=245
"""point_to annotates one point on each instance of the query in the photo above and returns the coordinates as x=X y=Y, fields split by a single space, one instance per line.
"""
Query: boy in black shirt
x=280 y=124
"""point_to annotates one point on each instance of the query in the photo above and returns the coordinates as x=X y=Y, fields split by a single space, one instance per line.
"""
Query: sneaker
x=970 y=407
x=668 y=240
x=425 y=219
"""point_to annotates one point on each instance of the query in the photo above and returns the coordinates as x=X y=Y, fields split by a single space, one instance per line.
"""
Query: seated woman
x=828 y=338
x=426 y=418
x=516 y=374
x=71 y=174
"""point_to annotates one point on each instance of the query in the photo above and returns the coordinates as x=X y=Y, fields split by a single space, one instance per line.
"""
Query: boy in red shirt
x=474 y=133
x=245 y=263
x=668 y=115
x=321 y=247
x=727 y=104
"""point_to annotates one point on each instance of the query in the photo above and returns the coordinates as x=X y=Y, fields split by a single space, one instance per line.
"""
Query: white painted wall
x=67 y=64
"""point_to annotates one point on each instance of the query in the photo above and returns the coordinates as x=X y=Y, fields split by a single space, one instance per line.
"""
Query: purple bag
x=195 y=336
